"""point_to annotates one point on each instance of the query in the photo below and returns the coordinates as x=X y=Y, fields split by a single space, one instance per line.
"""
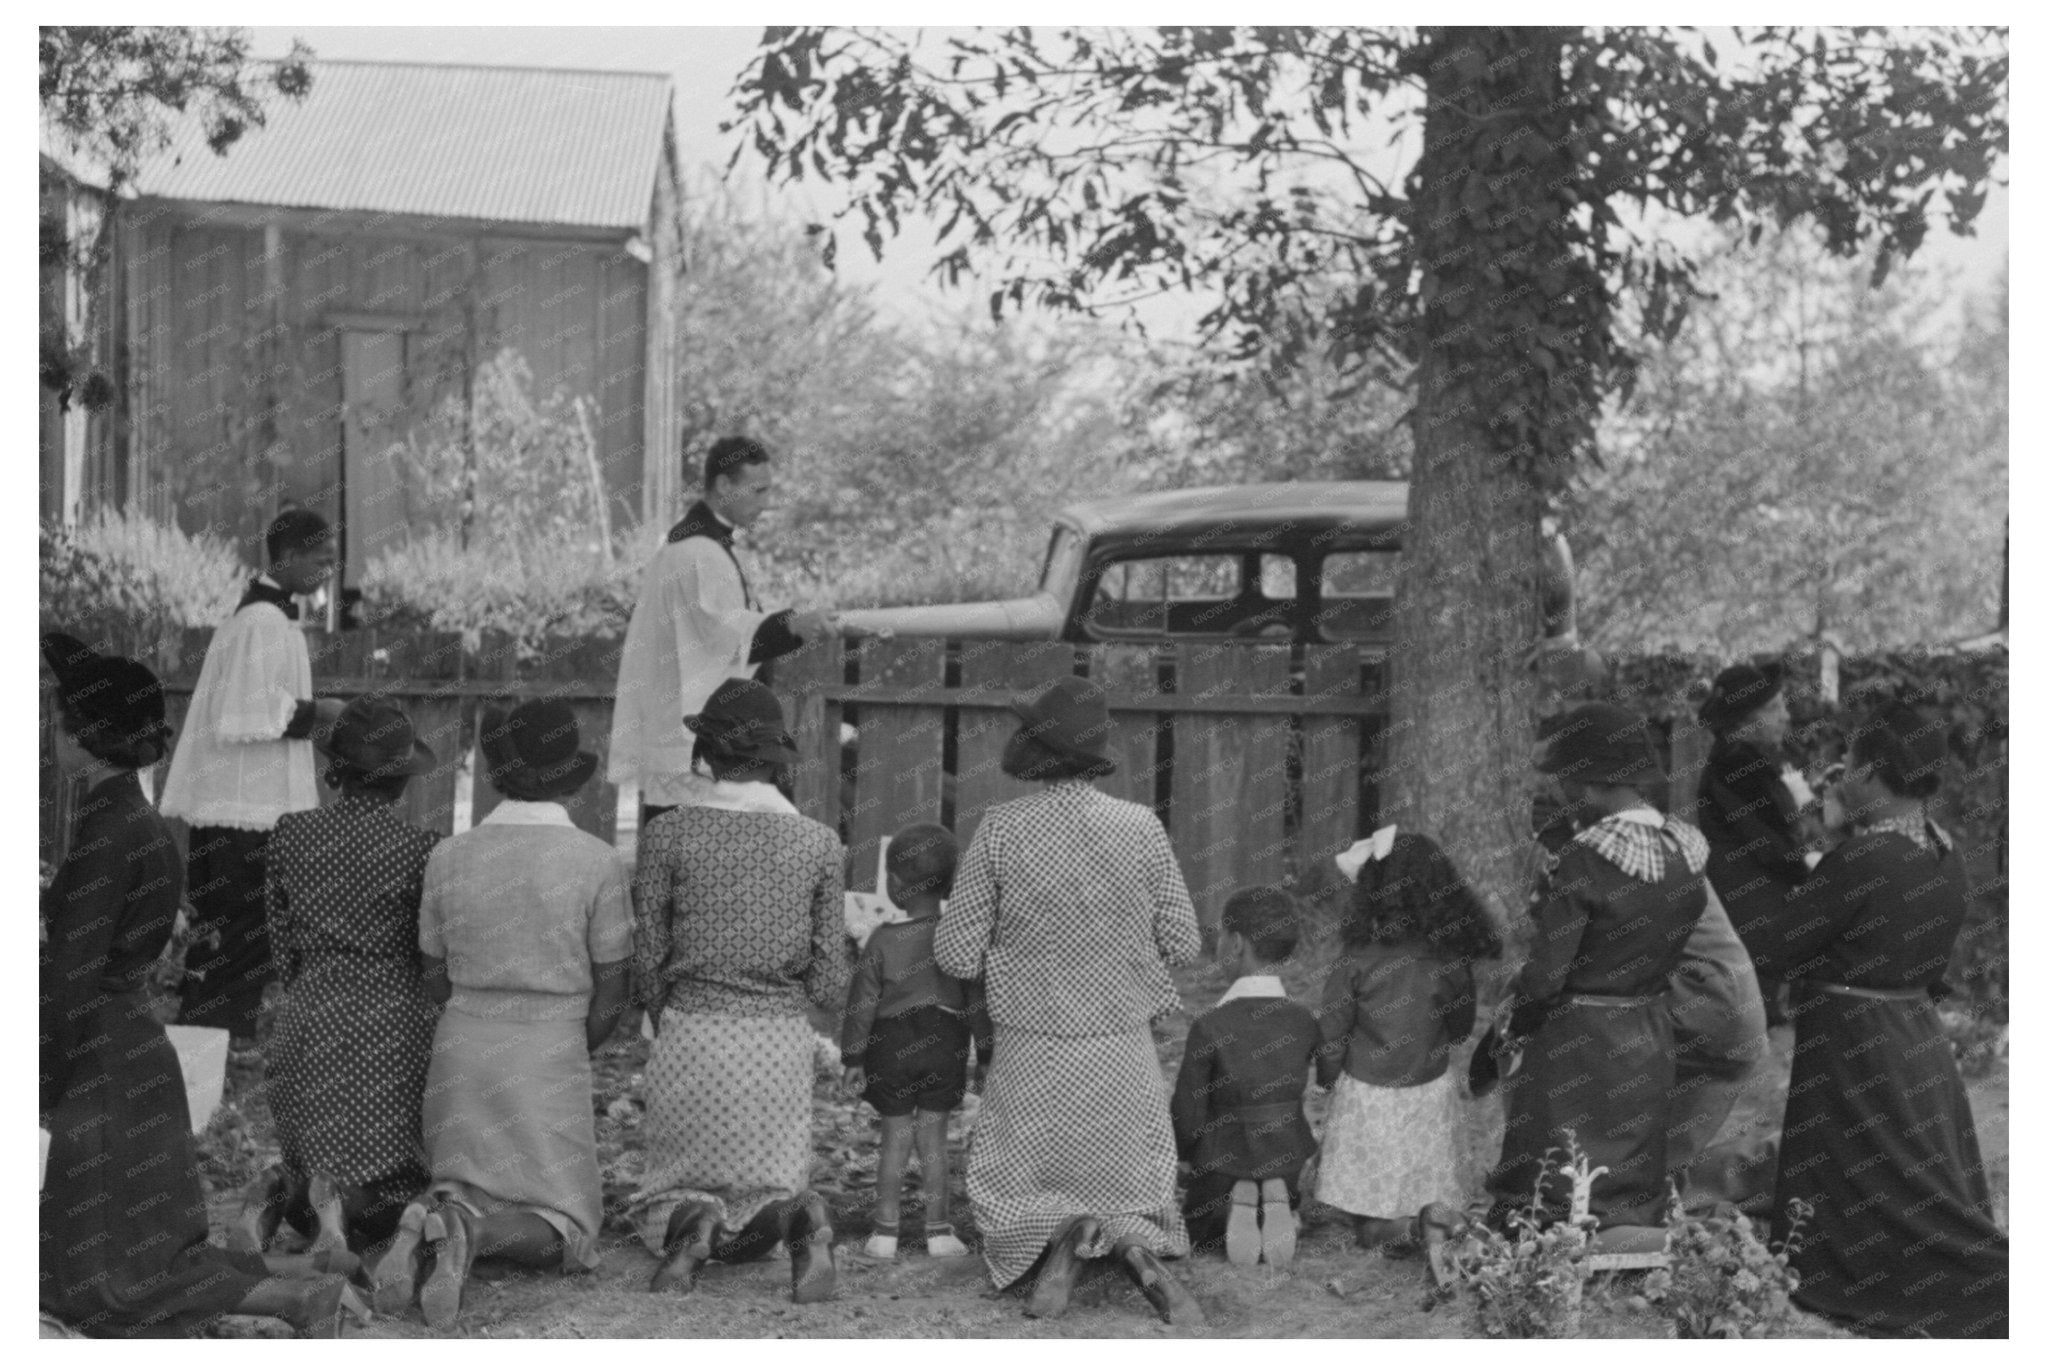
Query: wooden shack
x=292 y=309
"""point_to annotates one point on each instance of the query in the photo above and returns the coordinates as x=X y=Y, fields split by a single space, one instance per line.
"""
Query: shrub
x=1532 y=1281
x=524 y=588
x=1722 y=1281
x=126 y=583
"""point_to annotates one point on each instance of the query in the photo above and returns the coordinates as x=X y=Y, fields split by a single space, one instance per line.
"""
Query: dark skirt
x=122 y=1213
x=347 y=1068
x=1879 y=1141
x=1604 y=1073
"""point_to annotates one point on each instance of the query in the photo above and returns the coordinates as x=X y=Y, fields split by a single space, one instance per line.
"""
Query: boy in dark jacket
x=1237 y=1116
x=907 y=1037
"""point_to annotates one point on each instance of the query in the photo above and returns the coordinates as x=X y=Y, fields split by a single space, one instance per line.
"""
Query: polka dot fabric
x=347 y=1065
x=728 y=1116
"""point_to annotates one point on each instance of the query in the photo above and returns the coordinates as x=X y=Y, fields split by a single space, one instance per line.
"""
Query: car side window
x=1358 y=595
x=1216 y=595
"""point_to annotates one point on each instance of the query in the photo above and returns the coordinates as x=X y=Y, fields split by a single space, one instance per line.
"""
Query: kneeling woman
x=1072 y=903
x=526 y=932
x=1879 y=1142
x=122 y=1213
x=348 y=1064
x=741 y=922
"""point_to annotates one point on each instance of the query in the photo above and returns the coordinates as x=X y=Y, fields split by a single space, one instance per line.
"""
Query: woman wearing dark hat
x=740 y=925
x=1749 y=808
x=1611 y=920
x=122 y=1213
x=1072 y=904
x=347 y=1065
x=1879 y=1141
x=525 y=932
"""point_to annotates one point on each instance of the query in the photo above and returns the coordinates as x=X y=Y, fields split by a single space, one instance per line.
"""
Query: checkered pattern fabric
x=1071 y=904
x=1923 y=832
x=1072 y=1126
x=1639 y=849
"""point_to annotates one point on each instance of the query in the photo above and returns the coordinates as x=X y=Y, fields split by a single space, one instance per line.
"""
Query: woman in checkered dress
x=1071 y=905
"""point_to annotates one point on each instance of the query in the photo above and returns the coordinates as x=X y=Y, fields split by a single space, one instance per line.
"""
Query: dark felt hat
x=1071 y=718
x=1740 y=691
x=1600 y=742
x=108 y=696
x=533 y=753
x=743 y=718
x=375 y=738
x=1910 y=746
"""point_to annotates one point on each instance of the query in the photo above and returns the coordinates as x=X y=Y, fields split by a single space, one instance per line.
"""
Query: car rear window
x=1358 y=594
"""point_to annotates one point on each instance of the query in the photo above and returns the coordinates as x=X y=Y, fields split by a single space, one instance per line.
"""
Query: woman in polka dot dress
x=347 y=1064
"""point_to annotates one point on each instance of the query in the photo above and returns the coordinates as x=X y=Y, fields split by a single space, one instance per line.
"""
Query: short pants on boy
x=917 y=1060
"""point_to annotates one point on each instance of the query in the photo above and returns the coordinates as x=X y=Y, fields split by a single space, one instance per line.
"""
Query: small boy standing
x=244 y=758
x=907 y=1036
x=1237 y=1116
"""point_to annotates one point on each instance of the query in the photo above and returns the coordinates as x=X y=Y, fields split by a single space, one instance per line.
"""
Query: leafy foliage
x=1099 y=166
x=1530 y=1281
x=1803 y=458
x=110 y=97
x=126 y=583
x=1722 y=1281
x=113 y=92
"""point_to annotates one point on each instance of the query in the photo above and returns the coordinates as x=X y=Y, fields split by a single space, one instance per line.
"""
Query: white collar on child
x=1254 y=988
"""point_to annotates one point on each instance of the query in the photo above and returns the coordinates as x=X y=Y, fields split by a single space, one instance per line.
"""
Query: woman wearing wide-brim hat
x=741 y=926
x=1879 y=1142
x=1612 y=919
x=1750 y=808
x=526 y=934
x=347 y=1065
x=1071 y=904
x=122 y=1212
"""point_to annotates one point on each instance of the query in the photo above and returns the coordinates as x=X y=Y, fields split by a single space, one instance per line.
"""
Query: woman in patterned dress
x=122 y=1214
x=347 y=1065
x=525 y=934
x=1879 y=1142
x=740 y=923
x=1071 y=904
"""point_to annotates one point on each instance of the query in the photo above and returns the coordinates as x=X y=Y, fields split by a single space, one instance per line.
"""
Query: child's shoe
x=881 y=1243
x=939 y=1241
x=1276 y=1224
x=1241 y=1232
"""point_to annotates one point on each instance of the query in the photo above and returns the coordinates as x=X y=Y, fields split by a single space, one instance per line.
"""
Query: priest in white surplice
x=695 y=624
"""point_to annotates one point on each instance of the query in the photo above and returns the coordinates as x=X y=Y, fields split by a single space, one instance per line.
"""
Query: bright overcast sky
x=705 y=62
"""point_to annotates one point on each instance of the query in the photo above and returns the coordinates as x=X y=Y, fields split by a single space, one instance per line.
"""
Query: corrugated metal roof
x=514 y=144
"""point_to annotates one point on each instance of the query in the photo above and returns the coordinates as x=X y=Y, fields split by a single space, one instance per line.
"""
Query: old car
x=1314 y=563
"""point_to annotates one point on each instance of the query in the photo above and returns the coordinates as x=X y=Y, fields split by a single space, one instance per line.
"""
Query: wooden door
x=372 y=420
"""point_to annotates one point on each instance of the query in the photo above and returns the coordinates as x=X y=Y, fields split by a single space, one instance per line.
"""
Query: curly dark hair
x=1415 y=895
x=1906 y=748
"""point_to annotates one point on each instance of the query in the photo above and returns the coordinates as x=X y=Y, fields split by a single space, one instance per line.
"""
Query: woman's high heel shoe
x=451 y=1231
x=263 y=1205
x=395 y=1282
x=685 y=1248
x=329 y=1252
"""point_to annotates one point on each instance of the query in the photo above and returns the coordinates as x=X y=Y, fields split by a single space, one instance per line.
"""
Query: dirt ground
x=1334 y=1290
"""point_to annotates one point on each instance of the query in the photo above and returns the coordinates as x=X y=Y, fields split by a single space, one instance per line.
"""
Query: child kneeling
x=908 y=1035
x=1237 y=1115
x=1400 y=999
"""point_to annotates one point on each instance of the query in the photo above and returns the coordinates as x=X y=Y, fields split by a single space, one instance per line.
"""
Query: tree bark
x=1468 y=610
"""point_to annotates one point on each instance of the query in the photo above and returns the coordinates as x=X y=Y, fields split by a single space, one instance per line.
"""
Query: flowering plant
x=1722 y=1280
x=1531 y=1281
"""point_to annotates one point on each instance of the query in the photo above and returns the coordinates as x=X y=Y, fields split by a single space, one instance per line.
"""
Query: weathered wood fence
x=1259 y=759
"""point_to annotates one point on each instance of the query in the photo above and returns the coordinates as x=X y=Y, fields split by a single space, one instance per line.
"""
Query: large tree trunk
x=1491 y=242
x=1469 y=609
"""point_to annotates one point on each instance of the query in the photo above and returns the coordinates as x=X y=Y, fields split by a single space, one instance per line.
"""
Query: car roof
x=1245 y=516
